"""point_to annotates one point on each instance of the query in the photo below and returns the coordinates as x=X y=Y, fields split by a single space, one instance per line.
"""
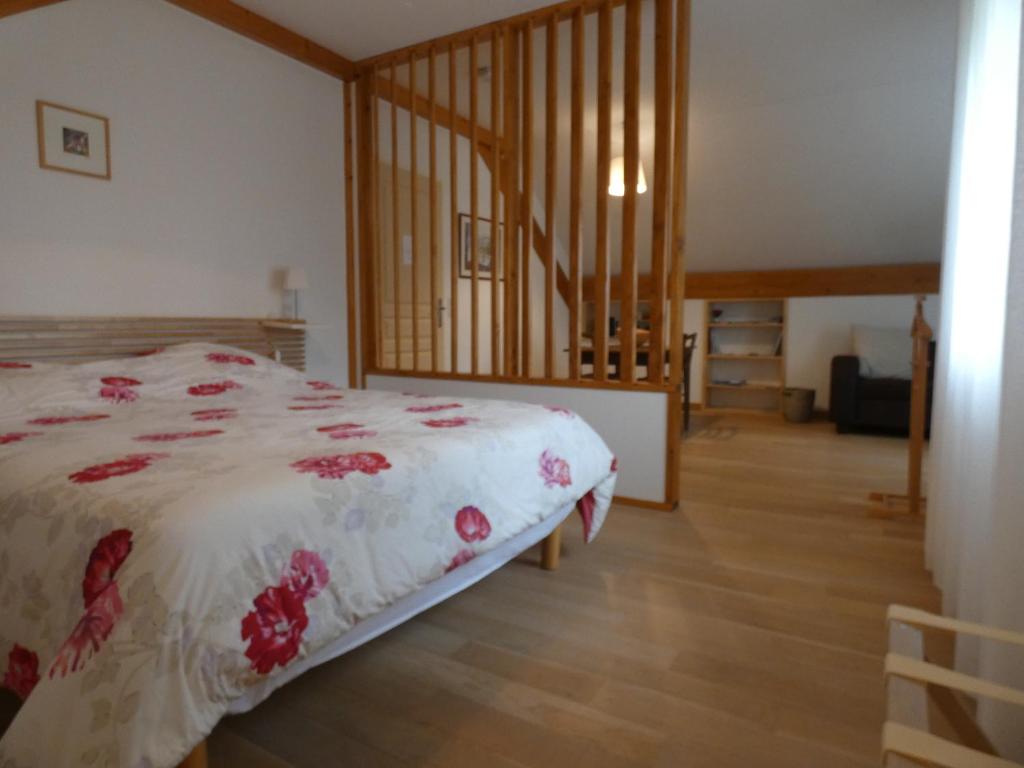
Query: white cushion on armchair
x=884 y=353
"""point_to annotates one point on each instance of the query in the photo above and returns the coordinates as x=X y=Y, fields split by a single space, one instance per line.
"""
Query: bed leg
x=196 y=758
x=551 y=549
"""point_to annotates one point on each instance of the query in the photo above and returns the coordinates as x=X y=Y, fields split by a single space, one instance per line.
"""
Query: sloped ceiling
x=820 y=129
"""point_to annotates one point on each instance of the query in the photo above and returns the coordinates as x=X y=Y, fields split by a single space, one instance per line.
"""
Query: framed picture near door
x=488 y=251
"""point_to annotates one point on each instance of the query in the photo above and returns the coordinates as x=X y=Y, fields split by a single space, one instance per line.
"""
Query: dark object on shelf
x=798 y=404
x=859 y=403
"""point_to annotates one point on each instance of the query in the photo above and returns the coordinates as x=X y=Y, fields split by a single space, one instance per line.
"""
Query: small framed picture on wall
x=73 y=141
x=488 y=251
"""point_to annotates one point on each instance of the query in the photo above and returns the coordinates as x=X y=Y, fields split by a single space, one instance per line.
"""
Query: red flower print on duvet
x=346 y=427
x=458 y=421
x=104 y=561
x=554 y=470
x=585 y=507
x=337 y=467
x=90 y=633
x=317 y=398
x=214 y=388
x=462 y=557
x=310 y=407
x=560 y=411
x=167 y=437
x=103 y=606
x=126 y=466
x=14 y=366
x=274 y=628
x=17 y=437
x=472 y=525
x=51 y=421
x=22 y=671
x=321 y=385
x=224 y=357
x=306 y=574
x=214 y=414
x=432 y=408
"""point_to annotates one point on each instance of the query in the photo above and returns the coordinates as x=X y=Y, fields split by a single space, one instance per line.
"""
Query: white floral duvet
x=177 y=529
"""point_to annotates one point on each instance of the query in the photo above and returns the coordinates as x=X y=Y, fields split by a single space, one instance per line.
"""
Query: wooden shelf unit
x=745 y=341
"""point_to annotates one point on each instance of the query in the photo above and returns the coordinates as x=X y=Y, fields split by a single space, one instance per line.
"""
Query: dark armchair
x=860 y=403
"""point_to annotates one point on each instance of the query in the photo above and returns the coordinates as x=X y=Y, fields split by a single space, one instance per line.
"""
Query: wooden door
x=426 y=315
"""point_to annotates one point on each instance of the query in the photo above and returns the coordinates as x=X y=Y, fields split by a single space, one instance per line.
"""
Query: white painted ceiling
x=360 y=28
x=820 y=129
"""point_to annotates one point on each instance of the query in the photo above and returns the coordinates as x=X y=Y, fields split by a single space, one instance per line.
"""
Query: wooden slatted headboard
x=81 y=339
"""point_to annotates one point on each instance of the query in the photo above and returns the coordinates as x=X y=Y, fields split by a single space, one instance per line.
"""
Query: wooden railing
x=478 y=85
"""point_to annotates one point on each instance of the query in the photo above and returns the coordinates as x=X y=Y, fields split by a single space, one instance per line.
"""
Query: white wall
x=631 y=422
x=817 y=329
x=226 y=163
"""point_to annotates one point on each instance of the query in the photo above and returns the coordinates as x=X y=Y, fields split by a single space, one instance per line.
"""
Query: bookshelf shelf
x=745 y=340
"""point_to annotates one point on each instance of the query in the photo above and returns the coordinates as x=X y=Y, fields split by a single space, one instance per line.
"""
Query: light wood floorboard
x=744 y=630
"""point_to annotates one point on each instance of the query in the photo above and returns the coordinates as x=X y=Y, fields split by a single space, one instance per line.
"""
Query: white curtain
x=973 y=505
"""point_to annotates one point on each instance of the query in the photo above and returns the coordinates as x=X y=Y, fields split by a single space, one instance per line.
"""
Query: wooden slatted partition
x=585 y=275
x=351 y=304
x=550 y=191
x=583 y=271
x=497 y=254
x=631 y=140
x=85 y=339
x=435 y=248
x=526 y=211
x=604 y=161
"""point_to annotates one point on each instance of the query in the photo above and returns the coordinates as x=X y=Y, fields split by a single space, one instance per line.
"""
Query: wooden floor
x=744 y=630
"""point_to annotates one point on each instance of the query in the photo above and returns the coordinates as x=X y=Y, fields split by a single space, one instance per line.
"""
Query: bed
x=183 y=532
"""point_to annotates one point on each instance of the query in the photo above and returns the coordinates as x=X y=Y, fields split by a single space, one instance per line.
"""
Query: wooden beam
x=366 y=155
x=474 y=218
x=271 y=34
x=526 y=198
x=453 y=183
x=877 y=280
x=887 y=279
x=350 y=241
x=414 y=221
x=435 y=249
x=461 y=39
x=12 y=7
x=446 y=118
x=496 y=217
x=396 y=234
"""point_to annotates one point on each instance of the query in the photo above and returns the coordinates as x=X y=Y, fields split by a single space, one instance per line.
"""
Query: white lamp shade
x=295 y=279
x=617 y=178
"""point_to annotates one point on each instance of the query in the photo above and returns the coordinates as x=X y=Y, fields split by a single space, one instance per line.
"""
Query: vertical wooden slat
x=679 y=191
x=414 y=216
x=526 y=215
x=575 y=189
x=550 y=190
x=678 y=250
x=631 y=132
x=376 y=309
x=434 y=250
x=474 y=192
x=661 y=170
x=496 y=248
x=453 y=178
x=367 y=158
x=396 y=246
x=604 y=150
x=350 y=242
x=510 y=181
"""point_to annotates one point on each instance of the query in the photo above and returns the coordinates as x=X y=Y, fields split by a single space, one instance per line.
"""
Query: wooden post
x=197 y=758
x=913 y=503
x=922 y=334
x=350 y=243
x=496 y=171
x=551 y=550
x=453 y=182
x=604 y=149
x=414 y=215
x=575 y=197
x=435 y=255
x=550 y=190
